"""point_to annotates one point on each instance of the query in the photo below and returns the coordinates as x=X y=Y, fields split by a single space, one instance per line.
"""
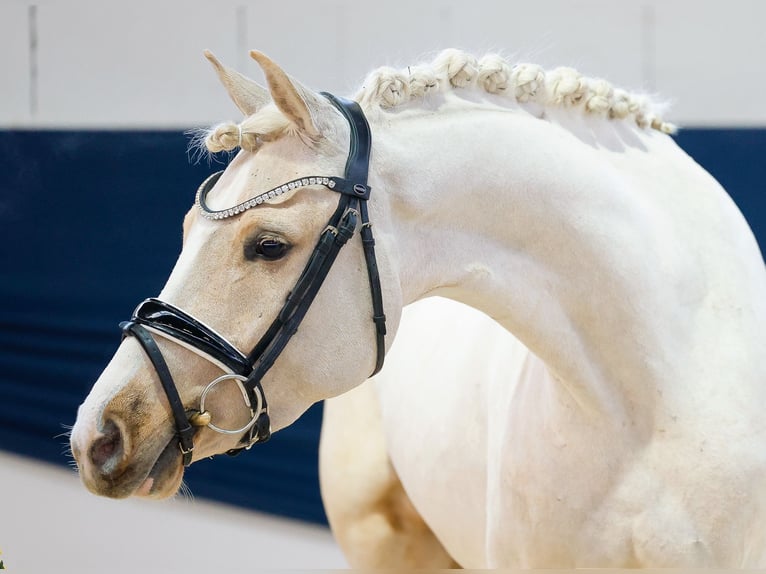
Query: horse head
x=257 y=246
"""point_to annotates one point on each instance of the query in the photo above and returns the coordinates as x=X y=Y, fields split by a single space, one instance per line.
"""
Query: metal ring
x=254 y=412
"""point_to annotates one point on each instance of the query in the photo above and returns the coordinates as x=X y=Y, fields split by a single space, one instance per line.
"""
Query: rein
x=153 y=316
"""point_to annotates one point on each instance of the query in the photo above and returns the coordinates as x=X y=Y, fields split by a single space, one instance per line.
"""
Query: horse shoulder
x=370 y=513
x=448 y=379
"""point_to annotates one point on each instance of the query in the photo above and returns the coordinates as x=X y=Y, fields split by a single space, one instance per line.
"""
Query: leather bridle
x=157 y=317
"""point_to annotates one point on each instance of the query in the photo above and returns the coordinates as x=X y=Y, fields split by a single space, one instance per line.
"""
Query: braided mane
x=387 y=88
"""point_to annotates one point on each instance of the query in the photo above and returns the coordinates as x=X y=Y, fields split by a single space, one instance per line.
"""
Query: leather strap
x=376 y=292
x=360 y=147
x=357 y=170
x=339 y=230
x=175 y=323
x=315 y=272
x=184 y=429
x=308 y=275
x=308 y=285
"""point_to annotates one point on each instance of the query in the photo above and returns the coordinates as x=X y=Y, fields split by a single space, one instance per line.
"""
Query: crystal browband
x=333 y=183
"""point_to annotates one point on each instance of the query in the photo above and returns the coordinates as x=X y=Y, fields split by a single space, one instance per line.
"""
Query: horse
x=620 y=426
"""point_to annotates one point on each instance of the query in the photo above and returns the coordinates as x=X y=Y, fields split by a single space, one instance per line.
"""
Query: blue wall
x=90 y=224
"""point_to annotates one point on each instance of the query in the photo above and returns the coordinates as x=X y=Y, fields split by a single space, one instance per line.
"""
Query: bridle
x=157 y=317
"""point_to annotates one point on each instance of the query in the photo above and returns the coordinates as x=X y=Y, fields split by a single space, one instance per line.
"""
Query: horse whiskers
x=67 y=446
x=184 y=492
x=66 y=434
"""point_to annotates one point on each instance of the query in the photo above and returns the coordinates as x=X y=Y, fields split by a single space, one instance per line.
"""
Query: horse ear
x=302 y=107
x=248 y=96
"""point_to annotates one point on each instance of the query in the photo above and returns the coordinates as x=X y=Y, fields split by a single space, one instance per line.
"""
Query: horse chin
x=165 y=477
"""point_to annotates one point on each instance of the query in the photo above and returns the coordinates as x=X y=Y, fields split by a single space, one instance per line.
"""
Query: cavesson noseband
x=157 y=317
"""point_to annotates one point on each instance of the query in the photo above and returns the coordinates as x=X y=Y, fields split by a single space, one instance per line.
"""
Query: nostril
x=107 y=448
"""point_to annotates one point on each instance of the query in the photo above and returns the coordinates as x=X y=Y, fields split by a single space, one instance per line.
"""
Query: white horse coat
x=626 y=427
x=656 y=458
x=448 y=453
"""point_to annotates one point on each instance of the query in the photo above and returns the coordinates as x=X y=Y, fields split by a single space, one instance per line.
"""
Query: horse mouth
x=164 y=478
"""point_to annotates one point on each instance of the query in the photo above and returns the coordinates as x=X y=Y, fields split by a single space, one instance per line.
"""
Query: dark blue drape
x=90 y=224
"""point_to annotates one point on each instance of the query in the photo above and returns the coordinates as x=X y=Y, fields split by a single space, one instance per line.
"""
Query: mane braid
x=387 y=88
x=522 y=82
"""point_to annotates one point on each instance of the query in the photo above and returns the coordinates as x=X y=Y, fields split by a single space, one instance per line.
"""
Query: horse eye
x=266 y=247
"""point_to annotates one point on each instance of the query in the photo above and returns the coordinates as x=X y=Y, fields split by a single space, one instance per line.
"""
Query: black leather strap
x=337 y=233
x=294 y=310
x=184 y=429
x=307 y=277
x=360 y=148
x=177 y=324
x=357 y=170
x=376 y=292
x=307 y=286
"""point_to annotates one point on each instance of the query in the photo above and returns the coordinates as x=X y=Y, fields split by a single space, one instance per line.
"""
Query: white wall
x=138 y=63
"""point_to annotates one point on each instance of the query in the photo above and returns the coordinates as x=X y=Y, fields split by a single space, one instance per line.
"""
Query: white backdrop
x=138 y=63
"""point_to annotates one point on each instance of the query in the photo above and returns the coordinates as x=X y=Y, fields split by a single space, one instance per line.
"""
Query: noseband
x=159 y=318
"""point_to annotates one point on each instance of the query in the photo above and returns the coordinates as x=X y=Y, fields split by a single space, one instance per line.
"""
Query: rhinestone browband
x=207 y=185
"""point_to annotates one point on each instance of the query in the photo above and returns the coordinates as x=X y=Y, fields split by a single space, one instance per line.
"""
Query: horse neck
x=562 y=242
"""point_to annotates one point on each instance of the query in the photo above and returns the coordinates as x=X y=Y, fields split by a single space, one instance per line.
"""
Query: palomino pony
x=622 y=426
